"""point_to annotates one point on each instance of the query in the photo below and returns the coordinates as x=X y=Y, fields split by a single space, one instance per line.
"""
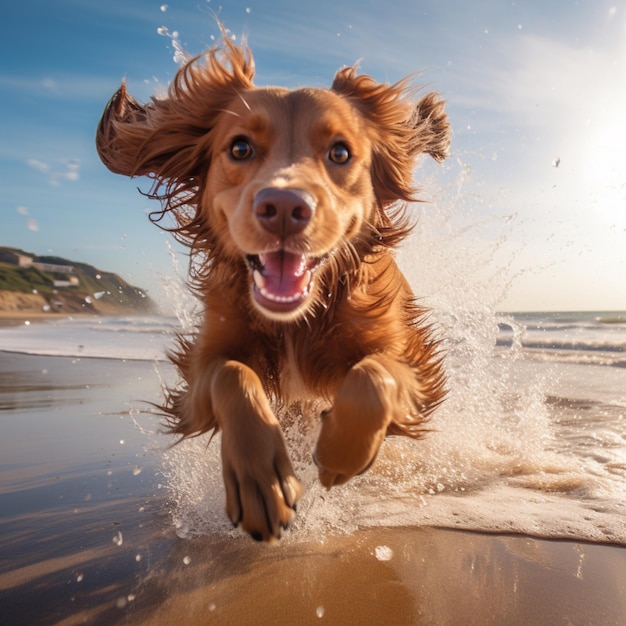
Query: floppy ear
x=168 y=138
x=399 y=130
x=122 y=130
x=431 y=127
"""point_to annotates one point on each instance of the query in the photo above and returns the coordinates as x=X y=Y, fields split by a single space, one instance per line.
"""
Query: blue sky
x=527 y=83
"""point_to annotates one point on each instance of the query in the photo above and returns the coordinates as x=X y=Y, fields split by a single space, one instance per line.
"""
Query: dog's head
x=283 y=182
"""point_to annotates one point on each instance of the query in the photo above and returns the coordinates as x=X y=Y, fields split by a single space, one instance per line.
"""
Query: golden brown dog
x=290 y=203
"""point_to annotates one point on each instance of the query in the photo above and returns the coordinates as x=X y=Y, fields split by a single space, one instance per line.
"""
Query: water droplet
x=212 y=606
x=137 y=557
x=187 y=560
x=79 y=578
x=118 y=538
x=383 y=553
x=319 y=611
x=137 y=470
x=164 y=8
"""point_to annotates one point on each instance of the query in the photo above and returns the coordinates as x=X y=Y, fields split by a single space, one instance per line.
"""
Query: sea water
x=531 y=437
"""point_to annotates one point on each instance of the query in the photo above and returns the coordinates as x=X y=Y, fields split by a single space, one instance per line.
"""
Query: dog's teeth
x=262 y=258
x=259 y=281
x=282 y=299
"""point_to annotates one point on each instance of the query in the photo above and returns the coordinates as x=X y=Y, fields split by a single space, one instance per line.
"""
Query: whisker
x=229 y=112
x=245 y=103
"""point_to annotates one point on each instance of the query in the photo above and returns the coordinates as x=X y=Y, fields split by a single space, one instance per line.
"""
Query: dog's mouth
x=282 y=280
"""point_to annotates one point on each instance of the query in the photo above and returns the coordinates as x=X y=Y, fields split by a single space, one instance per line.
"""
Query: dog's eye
x=339 y=153
x=240 y=149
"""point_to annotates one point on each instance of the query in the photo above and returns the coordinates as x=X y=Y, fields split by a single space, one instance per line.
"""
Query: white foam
x=130 y=338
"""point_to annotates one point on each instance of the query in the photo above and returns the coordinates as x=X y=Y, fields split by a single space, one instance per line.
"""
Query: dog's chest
x=292 y=385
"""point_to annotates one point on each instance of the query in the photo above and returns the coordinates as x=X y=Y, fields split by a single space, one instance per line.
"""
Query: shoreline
x=15 y=318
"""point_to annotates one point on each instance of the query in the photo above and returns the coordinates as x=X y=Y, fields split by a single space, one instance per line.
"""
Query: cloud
x=535 y=81
x=64 y=87
x=31 y=223
x=70 y=170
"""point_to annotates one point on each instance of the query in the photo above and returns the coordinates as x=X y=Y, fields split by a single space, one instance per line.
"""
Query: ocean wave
x=132 y=338
x=576 y=357
x=618 y=319
x=133 y=324
x=550 y=343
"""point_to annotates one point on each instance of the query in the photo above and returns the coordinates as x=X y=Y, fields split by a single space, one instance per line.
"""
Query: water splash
x=491 y=460
x=181 y=56
x=178 y=297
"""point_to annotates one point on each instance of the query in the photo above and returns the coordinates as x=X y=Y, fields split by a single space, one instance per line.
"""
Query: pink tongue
x=284 y=273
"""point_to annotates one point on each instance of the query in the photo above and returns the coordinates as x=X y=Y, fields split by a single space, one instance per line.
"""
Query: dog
x=291 y=203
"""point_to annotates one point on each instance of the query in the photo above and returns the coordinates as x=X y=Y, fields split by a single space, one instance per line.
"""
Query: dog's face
x=289 y=183
x=280 y=182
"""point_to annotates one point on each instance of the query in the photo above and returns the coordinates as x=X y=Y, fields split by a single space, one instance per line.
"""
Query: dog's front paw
x=354 y=429
x=344 y=450
x=261 y=487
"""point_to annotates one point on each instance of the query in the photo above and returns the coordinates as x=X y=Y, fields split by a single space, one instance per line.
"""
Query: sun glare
x=606 y=153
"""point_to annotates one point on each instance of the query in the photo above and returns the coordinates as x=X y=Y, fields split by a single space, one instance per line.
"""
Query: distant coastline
x=40 y=287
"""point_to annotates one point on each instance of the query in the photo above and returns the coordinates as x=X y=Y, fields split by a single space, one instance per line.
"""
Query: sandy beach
x=86 y=535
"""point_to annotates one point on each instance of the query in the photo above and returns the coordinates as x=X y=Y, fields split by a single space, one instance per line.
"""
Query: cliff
x=50 y=284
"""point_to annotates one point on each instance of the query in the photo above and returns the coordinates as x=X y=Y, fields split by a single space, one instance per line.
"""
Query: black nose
x=284 y=212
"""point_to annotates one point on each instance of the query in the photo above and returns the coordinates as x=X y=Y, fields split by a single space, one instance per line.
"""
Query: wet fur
x=360 y=343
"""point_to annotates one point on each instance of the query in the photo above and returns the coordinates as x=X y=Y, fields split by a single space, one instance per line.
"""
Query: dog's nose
x=284 y=211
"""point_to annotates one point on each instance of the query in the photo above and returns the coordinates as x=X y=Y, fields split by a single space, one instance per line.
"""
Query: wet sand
x=85 y=535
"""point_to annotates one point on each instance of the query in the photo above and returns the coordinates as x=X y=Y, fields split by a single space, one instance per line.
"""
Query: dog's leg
x=355 y=427
x=261 y=488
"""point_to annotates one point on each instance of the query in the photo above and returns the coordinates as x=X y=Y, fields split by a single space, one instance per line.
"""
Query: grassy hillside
x=94 y=290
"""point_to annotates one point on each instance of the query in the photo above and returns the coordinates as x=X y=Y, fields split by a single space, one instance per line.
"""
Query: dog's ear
x=168 y=138
x=431 y=126
x=123 y=128
x=399 y=130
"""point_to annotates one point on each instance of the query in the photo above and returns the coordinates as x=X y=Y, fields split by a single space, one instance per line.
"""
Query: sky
x=536 y=95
